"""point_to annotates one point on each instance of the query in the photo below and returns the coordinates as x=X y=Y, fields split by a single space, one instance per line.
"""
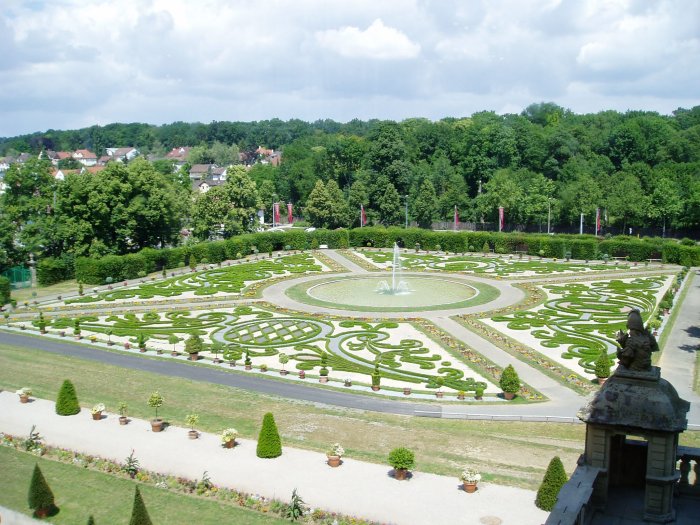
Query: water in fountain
x=397 y=287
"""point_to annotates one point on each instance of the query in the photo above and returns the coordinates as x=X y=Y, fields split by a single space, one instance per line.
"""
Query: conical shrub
x=139 y=514
x=269 y=442
x=553 y=481
x=40 y=496
x=67 y=401
x=91 y=520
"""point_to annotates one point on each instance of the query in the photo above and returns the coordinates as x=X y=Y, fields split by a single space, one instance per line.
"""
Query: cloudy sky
x=74 y=63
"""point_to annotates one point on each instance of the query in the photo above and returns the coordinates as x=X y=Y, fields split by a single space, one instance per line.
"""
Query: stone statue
x=637 y=345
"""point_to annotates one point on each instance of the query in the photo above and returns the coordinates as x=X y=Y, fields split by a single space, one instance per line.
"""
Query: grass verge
x=80 y=492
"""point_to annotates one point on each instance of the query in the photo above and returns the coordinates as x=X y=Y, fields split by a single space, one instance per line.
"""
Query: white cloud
x=376 y=42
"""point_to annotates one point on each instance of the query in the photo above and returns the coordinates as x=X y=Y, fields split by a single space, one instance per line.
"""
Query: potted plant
x=217 y=347
x=192 y=420
x=24 y=394
x=97 y=411
x=76 y=329
x=263 y=368
x=283 y=359
x=141 y=341
x=461 y=395
x=247 y=362
x=479 y=392
x=302 y=374
x=41 y=323
x=228 y=437
x=193 y=346
x=173 y=340
x=123 y=420
x=469 y=478
x=407 y=390
x=131 y=465
x=155 y=401
x=402 y=460
x=334 y=454
x=109 y=333
x=376 y=379
x=347 y=382
x=509 y=382
x=439 y=381
x=602 y=367
x=324 y=375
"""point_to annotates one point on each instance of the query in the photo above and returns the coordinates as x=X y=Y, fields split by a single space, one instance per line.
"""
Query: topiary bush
x=269 y=442
x=509 y=382
x=194 y=344
x=40 y=497
x=602 y=365
x=402 y=458
x=4 y=290
x=553 y=481
x=67 y=400
x=139 y=514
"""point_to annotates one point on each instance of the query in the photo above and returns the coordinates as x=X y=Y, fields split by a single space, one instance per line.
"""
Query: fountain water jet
x=398 y=287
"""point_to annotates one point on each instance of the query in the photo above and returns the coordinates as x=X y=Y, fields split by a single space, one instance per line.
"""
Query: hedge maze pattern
x=498 y=266
x=226 y=279
x=584 y=318
x=344 y=346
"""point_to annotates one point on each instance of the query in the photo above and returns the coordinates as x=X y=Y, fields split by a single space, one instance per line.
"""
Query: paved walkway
x=356 y=488
x=682 y=346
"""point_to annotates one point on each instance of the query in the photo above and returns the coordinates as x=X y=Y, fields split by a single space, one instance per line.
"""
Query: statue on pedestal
x=637 y=345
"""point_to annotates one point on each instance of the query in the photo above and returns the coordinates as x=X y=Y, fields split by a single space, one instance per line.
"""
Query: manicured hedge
x=52 y=270
x=586 y=247
x=4 y=290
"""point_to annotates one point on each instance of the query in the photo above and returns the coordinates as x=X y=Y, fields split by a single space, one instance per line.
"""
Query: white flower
x=229 y=434
x=24 y=391
x=336 y=450
x=99 y=407
x=470 y=475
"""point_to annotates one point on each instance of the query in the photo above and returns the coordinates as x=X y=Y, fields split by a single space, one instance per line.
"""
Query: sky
x=68 y=64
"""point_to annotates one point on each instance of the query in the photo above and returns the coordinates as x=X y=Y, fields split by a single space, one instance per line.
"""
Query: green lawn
x=80 y=492
x=510 y=453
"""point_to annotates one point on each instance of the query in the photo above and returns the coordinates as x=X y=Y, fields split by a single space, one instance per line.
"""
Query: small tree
x=91 y=520
x=67 y=400
x=40 y=496
x=139 y=514
x=173 y=340
x=194 y=344
x=269 y=442
x=155 y=401
x=602 y=365
x=296 y=508
x=510 y=382
x=553 y=481
x=141 y=339
x=283 y=359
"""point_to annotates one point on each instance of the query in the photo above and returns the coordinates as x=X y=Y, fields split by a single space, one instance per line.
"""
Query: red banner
x=290 y=217
x=363 y=217
x=456 y=217
x=276 y=212
x=597 y=220
x=501 y=219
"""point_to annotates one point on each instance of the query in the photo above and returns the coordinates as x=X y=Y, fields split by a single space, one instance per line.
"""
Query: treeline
x=586 y=247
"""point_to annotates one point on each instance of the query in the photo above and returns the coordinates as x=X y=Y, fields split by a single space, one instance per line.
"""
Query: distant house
x=203 y=186
x=61 y=174
x=178 y=154
x=85 y=157
x=55 y=156
x=103 y=160
x=200 y=171
x=122 y=154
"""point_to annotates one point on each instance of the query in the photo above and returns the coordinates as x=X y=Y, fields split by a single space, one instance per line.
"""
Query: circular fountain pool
x=422 y=292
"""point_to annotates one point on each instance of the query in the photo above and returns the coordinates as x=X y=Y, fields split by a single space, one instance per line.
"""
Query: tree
x=139 y=514
x=67 y=401
x=269 y=442
x=554 y=479
x=357 y=196
x=229 y=208
x=425 y=204
x=326 y=206
x=194 y=344
x=69 y=164
x=40 y=497
x=389 y=206
x=625 y=200
x=665 y=202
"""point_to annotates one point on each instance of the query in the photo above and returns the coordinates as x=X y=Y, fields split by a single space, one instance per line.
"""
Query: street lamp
x=406 y=223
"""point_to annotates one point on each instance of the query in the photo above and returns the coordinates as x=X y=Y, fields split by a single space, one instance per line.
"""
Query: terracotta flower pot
x=174 y=353
x=439 y=394
x=400 y=474
x=601 y=380
x=375 y=388
x=97 y=416
x=194 y=357
x=24 y=398
x=230 y=444
x=156 y=425
x=284 y=372
x=248 y=367
x=407 y=391
x=469 y=487
x=302 y=374
x=333 y=461
x=323 y=379
x=123 y=420
x=508 y=395
x=192 y=434
x=460 y=397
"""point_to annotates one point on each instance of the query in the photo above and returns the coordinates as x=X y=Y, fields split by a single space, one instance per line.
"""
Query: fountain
x=398 y=287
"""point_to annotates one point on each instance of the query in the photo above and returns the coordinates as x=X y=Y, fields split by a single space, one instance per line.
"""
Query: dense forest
x=641 y=169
